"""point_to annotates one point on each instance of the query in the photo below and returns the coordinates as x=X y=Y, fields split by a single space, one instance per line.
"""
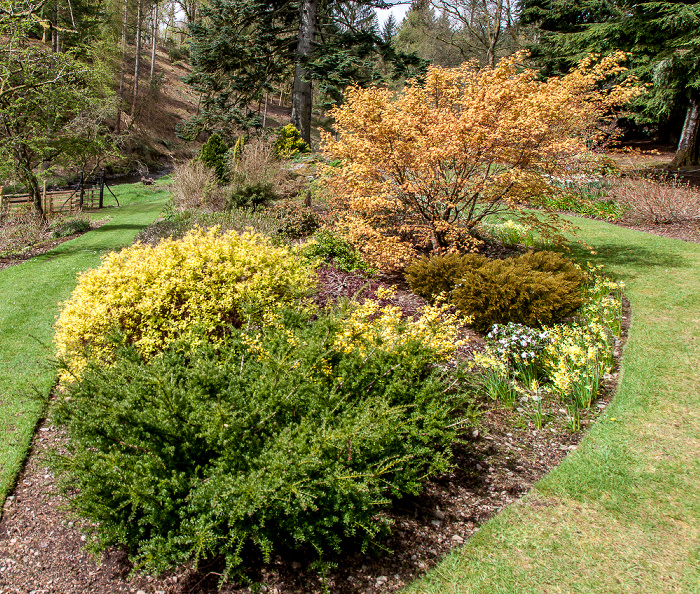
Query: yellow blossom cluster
x=489 y=360
x=577 y=356
x=194 y=288
x=372 y=326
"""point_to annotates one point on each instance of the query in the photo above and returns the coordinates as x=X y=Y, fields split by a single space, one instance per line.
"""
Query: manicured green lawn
x=622 y=513
x=31 y=293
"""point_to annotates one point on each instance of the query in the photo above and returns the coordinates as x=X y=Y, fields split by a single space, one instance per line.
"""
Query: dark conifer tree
x=663 y=39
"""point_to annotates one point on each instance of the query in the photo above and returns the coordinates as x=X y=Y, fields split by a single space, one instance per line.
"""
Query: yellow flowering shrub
x=194 y=288
x=386 y=328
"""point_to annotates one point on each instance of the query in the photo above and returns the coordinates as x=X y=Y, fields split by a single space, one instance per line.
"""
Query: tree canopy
x=49 y=102
x=662 y=38
x=241 y=48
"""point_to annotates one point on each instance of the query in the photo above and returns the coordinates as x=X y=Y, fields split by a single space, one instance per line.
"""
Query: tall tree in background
x=662 y=37
x=351 y=51
x=429 y=35
x=487 y=29
x=301 y=93
x=240 y=48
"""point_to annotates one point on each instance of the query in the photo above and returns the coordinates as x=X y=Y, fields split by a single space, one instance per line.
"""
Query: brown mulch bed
x=43 y=247
x=686 y=231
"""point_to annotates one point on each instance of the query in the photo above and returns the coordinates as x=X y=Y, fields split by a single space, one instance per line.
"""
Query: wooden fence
x=57 y=201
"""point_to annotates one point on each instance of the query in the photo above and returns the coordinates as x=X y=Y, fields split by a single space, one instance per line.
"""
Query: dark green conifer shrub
x=276 y=440
x=250 y=196
x=429 y=277
x=213 y=154
x=533 y=289
x=536 y=288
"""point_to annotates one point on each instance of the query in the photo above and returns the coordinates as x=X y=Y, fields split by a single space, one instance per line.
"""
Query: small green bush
x=330 y=247
x=78 y=224
x=275 y=440
x=429 y=277
x=289 y=143
x=213 y=154
x=534 y=289
x=250 y=196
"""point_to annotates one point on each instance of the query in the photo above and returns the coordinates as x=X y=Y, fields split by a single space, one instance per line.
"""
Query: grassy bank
x=31 y=293
x=622 y=513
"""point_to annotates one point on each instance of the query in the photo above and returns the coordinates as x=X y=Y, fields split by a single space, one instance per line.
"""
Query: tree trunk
x=54 y=30
x=154 y=32
x=301 y=94
x=688 y=152
x=117 y=127
x=138 y=58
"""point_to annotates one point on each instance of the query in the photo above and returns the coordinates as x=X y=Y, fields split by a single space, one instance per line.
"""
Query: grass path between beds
x=30 y=294
x=622 y=512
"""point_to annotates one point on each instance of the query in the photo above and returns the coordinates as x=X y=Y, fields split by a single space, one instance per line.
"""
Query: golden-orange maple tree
x=421 y=168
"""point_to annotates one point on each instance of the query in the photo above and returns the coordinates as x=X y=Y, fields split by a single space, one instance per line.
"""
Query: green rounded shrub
x=250 y=196
x=277 y=439
x=330 y=247
x=78 y=224
x=536 y=288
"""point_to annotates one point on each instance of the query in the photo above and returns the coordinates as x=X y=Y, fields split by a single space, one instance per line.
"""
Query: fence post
x=44 y=199
x=102 y=187
x=2 y=205
x=82 y=189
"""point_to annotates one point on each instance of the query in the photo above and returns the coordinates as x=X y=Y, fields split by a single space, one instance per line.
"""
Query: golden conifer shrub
x=421 y=168
x=194 y=288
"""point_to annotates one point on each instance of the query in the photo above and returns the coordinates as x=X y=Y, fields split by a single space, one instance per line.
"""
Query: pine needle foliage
x=436 y=275
x=536 y=288
x=277 y=440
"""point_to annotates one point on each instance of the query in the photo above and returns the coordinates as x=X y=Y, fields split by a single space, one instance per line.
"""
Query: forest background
x=81 y=85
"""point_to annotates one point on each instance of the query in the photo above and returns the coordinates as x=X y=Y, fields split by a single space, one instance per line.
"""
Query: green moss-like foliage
x=289 y=143
x=278 y=439
x=213 y=154
x=534 y=289
x=251 y=196
x=429 y=277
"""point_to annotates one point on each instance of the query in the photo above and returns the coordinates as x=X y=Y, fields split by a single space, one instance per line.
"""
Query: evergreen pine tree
x=663 y=39
x=242 y=48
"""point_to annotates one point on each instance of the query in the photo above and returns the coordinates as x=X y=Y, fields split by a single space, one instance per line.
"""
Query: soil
x=499 y=458
x=43 y=247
